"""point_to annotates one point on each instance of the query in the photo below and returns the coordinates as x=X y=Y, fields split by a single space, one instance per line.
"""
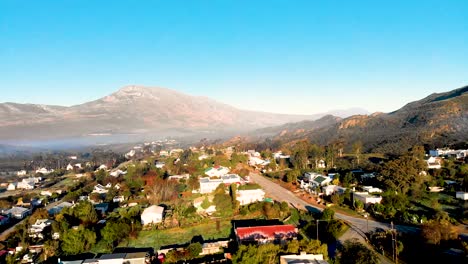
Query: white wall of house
x=462 y=195
x=250 y=196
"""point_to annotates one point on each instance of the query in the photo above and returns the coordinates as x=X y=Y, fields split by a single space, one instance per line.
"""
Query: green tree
x=233 y=193
x=357 y=150
x=113 y=232
x=353 y=252
x=78 y=241
x=327 y=214
x=85 y=212
x=194 y=250
x=253 y=254
x=314 y=247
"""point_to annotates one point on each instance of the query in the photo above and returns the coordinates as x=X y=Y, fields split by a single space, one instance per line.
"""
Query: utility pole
x=393 y=243
x=317 y=229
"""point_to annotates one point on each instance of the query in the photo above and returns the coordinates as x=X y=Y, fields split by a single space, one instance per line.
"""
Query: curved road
x=359 y=225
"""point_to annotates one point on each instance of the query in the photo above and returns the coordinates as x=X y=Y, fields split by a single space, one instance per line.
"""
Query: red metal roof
x=266 y=232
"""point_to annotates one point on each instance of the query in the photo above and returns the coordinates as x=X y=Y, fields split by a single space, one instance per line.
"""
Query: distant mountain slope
x=133 y=110
x=437 y=119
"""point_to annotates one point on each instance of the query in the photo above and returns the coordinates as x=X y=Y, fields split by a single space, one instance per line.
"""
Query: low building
x=21 y=173
x=303 y=258
x=100 y=189
x=208 y=185
x=12 y=186
x=320 y=181
x=332 y=189
x=152 y=215
x=250 y=196
x=216 y=171
x=58 y=208
x=214 y=247
x=371 y=189
x=137 y=258
x=266 y=234
x=179 y=177
x=321 y=164
x=462 y=195
x=434 y=163
x=44 y=171
x=38 y=227
x=117 y=258
x=118 y=199
x=367 y=198
x=18 y=212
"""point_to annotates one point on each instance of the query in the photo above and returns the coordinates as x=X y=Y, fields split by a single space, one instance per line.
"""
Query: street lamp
x=367 y=222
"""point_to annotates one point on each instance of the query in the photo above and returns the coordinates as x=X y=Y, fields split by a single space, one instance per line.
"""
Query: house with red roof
x=266 y=234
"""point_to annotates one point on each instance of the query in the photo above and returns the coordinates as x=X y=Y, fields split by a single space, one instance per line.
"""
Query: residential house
x=214 y=247
x=163 y=153
x=256 y=161
x=203 y=156
x=58 y=208
x=102 y=167
x=152 y=214
x=367 y=198
x=117 y=173
x=29 y=183
x=371 y=189
x=137 y=258
x=100 y=189
x=21 y=173
x=208 y=185
x=118 y=199
x=12 y=186
x=160 y=164
x=462 y=195
x=46 y=193
x=38 y=227
x=217 y=171
x=179 y=177
x=434 y=163
x=321 y=164
x=266 y=234
x=69 y=167
x=44 y=171
x=102 y=208
x=18 y=212
x=303 y=258
x=331 y=189
x=229 y=179
x=309 y=176
x=320 y=181
x=436 y=189
x=250 y=196
x=117 y=258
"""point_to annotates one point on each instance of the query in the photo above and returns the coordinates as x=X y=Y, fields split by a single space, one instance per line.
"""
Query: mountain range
x=438 y=120
x=134 y=112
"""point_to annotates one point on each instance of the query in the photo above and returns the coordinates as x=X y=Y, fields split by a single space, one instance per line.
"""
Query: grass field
x=176 y=236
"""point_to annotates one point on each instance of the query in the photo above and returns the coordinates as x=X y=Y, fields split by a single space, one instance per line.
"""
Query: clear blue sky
x=279 y=56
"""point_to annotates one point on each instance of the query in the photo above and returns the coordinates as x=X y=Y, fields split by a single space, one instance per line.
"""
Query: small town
x=214 y=204
x=236 y=132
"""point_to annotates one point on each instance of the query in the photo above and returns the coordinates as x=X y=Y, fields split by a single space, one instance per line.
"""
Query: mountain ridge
x=136 y=110
x=436 y=120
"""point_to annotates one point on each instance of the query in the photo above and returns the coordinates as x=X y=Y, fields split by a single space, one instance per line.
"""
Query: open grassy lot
x=175 y=236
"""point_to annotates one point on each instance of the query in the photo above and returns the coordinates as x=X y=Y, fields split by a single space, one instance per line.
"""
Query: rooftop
x=270 y=232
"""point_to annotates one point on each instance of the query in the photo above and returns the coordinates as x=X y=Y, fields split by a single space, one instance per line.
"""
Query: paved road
x=4 y=235
x=359 y=225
